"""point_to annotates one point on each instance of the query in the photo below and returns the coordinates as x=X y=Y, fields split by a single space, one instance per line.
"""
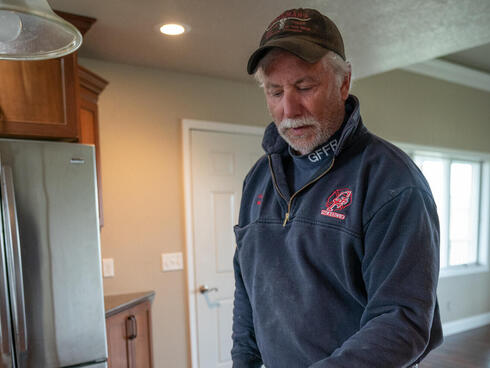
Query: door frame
x=188 y=125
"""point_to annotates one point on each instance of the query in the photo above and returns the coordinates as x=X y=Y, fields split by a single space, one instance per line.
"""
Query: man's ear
x=345 y=87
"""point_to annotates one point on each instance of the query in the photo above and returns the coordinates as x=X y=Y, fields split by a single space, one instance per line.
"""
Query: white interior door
x=219 y=163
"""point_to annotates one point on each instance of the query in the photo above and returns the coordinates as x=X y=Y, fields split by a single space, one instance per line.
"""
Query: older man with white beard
x=337 y=264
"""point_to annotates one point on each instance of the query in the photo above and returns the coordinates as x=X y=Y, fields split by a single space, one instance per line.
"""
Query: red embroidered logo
x=259 y=199
x=337 y=201
x=295 y=20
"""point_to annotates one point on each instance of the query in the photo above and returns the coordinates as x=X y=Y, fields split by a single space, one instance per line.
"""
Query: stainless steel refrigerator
x=51 y=298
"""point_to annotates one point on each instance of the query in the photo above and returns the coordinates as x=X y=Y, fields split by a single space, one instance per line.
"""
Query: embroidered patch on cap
x=337 y=201
x=294 y=20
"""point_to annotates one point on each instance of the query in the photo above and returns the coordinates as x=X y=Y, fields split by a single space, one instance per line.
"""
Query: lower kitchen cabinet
x=128 y=325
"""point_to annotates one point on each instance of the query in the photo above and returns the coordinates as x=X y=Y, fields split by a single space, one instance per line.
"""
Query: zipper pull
x=286 y=218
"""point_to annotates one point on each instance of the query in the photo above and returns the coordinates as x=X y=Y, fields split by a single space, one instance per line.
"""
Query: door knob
x=203 y=289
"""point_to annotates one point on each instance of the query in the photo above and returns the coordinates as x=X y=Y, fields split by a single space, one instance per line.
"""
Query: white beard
x=305 y=144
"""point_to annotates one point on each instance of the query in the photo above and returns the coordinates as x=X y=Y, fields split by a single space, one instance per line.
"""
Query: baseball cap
x=306 y=33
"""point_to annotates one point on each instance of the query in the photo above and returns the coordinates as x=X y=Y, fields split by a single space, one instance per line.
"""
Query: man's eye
x=305 y=88
x=275 y=93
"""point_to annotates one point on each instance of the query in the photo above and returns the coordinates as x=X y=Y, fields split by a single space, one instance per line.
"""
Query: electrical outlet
x=108 y=267
x=172 y=261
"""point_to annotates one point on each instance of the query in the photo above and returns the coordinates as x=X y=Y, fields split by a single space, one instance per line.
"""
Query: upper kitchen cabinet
x=91 y=85
x=41 y=99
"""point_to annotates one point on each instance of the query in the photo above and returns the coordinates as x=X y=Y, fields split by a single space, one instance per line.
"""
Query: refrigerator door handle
x=14 y=259
x=5 y=337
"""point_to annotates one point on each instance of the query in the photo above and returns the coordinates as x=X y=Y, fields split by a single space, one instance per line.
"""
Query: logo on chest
x=337 y=201
x=259 y=198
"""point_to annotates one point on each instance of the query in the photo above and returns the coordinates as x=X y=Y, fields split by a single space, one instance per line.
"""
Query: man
x=337 y=242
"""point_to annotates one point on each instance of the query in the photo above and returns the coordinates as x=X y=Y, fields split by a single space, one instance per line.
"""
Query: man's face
x=305 y=100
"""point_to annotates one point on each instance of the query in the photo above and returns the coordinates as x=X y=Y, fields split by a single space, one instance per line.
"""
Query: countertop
x=116 y=303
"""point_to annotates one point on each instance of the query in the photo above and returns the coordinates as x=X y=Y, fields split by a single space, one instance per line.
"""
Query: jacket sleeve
x=244 y=353
x=400 y=269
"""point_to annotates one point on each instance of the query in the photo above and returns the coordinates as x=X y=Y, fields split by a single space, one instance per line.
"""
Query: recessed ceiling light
x=172 y=29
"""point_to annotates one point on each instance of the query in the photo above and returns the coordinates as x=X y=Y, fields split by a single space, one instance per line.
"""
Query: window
x=460 y=185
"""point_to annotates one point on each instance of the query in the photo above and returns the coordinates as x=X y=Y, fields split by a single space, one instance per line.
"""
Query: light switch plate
x=108 y=267
x=172 y=261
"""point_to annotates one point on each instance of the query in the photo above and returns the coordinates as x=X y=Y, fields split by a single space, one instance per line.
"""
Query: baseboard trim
x=465 y=324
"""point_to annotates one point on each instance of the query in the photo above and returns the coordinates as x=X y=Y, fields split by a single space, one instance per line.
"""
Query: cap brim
x=297 y=45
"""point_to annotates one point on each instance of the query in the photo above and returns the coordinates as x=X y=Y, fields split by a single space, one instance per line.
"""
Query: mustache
x=297 y=123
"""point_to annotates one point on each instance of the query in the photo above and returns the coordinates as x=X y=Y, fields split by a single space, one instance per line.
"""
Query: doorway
x=217 y=157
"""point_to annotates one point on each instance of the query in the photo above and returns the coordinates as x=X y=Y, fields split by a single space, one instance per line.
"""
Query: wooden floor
x=470 y=349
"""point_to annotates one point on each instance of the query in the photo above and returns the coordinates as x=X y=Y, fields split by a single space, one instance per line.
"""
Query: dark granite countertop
x=116 y=303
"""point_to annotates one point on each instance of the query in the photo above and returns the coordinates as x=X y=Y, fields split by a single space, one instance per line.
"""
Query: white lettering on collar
x=322 y=152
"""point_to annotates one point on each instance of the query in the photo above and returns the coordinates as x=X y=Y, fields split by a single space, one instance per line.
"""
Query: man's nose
x=291 y=105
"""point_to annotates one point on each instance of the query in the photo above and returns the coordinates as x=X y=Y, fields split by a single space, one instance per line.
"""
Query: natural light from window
x=456 y=184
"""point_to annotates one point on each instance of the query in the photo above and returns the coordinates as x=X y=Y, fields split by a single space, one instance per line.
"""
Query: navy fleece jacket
x=342 y=273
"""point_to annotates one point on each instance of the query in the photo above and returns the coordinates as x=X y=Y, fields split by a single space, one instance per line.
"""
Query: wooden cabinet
x=129 y=335
x=91 y=85
x=39 y=99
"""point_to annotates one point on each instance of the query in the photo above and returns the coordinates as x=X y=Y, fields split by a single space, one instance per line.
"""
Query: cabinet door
x=39 y=99
x=129 y=337
x=117 y=341
x=141 y=349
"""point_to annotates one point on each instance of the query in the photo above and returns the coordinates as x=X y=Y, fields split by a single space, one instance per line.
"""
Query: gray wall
x=408 y=107
x=141 y=153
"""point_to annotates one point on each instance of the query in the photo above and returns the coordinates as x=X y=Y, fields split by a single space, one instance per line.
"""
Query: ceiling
x=379 y=35
x=477 y=58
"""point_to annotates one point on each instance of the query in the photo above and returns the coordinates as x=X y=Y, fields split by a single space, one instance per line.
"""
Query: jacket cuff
x=246 y=361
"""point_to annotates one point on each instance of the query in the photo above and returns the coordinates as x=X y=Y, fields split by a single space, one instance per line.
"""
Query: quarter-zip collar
x=277 y=149
x=301 y=168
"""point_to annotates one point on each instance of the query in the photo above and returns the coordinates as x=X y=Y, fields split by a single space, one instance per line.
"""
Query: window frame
x=483 y=232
